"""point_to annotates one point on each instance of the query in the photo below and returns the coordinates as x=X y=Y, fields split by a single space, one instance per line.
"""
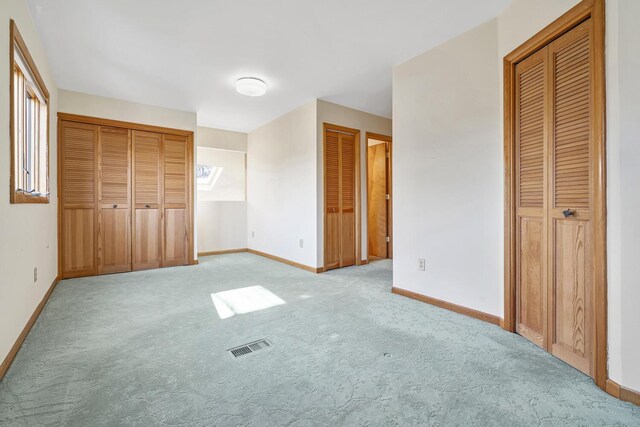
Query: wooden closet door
x=78 y=165
x=571 y=279
x=114 y=217
x=176 y=200
x=332 y=200
x=347 y=200
x=531 y=228
x=147 y=201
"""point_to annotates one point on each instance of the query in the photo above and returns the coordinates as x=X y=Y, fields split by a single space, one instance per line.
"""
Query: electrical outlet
x=422 y=264
x=253 y=234
x=35 y=274
x=301 y=243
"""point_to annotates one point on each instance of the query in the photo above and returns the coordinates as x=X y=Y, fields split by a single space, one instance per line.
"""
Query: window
x=29 y=126
x=220 y=175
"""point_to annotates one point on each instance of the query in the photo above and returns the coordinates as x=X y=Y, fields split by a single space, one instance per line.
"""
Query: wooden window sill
x=26 y=198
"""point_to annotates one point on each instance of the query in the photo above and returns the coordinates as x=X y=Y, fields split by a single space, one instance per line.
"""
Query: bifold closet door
x=340 y=232
x=554 y=152
x=114 y=217
x=531 y=227
x=78 y=165
x=147 y=200
x=571 y=281
x=175 y=204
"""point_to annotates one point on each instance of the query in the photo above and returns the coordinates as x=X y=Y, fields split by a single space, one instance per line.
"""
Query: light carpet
x=148 y=348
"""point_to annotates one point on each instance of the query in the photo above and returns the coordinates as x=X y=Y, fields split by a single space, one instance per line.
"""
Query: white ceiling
x=187 y=54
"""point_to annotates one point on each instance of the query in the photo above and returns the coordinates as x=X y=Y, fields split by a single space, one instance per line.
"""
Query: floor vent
x=249 y=348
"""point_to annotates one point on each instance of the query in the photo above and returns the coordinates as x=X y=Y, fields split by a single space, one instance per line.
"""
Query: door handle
x=567 y=213
x=115 y=206
x=147 y=206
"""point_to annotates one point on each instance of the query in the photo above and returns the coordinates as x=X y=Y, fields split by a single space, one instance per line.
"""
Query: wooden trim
x=622 y=393
x=286 y=261
x=6 y=363
x=480 y=315
x=226 y=251
x=16 y=37
x=121 y=124
x=389 y=140
x=358 y=190
x=586 y=9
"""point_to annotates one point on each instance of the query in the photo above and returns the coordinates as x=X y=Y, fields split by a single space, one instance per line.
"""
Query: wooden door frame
x=594 y=9
x=132 y=126
x=389 y=140
x=358 y=202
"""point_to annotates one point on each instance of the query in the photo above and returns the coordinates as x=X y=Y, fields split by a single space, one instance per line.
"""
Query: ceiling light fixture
x=251 y=86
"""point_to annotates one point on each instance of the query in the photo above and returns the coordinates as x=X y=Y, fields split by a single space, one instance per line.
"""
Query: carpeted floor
x=149 y=348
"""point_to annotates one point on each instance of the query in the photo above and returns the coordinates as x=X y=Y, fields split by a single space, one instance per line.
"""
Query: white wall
x=281 y=186
x=623 y=177
x=355 y=119
x=222 y=225
x=447 y=172
x=115 y=109
x=434 y=130
x=28 y=233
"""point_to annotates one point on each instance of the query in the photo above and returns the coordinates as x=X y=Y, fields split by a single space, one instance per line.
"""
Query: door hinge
x=388 y=239
x=388 y=196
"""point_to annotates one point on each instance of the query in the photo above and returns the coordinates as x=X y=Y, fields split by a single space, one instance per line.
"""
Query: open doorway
x=379 y=203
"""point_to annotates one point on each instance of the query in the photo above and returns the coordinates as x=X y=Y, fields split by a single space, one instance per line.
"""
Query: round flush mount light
x=251 y=86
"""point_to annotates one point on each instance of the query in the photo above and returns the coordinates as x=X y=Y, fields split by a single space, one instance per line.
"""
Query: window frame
x=41 y=148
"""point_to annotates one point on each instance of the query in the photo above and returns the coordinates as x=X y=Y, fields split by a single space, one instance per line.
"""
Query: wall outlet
x=301 y=243
x=422 y=264
x=253 y=234
x=35 y=274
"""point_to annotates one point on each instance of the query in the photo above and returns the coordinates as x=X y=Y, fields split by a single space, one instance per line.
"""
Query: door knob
x=115 y=206
x=147 y=206
x=567 y=213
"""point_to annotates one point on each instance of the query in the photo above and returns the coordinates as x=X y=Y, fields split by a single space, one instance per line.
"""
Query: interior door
x=554 y=174
x=78 y=165
x=340 y=199
x=114 y=218
x=175 y=204
x=147 y=201
x=377 y=202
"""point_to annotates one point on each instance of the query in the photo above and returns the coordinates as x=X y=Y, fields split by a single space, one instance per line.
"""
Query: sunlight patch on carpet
x=244 y=300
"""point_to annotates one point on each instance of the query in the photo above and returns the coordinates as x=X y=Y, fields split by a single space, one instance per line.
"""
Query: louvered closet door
x=114 y=217
x=176 y=194
x=347 y=202
x=332 y=200
x=531 y=195
x=147 y=201
x=570 y=258
x=78 y=165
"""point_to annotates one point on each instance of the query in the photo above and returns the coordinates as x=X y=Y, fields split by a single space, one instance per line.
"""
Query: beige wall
x=28 y=233
x=355 y=119
x=447 y=167
x=222 y=225
x=281 y=186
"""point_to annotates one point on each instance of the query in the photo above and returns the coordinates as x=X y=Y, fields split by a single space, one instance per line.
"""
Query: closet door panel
x=332 y=200
x=114 y=218
x=176 y=196
x=147 y=201
x=531 y=283
x=348 y=187
x=78 y=164
x=571 y=278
